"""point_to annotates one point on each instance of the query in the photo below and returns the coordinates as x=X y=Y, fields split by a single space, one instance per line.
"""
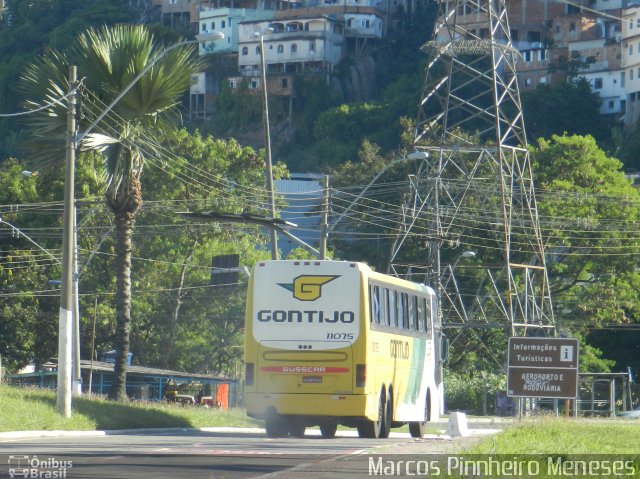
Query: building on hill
x=630 y=64
x=312 y=44
x=226 y=21
x=309 y=36
x=559 y=41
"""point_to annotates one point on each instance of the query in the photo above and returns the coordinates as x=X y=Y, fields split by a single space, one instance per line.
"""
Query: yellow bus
x=334 y=342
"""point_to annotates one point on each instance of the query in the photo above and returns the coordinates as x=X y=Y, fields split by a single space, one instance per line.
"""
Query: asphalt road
x=211 y=454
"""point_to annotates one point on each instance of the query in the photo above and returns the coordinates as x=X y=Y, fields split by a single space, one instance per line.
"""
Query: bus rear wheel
x=328 y=430
x=419 y=429
x=388 y=418
x=296 y=428
x=375 y=429
x=276 y=427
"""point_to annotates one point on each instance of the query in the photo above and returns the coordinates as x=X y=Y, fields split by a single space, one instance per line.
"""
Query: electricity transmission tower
x=474 y=192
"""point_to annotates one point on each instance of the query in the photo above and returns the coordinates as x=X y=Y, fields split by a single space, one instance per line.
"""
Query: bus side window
x=389 y=307
x=375 y=304
x=393 y=312
x=428 y=313
x=413 y=312
x=404 y=311
x=422 y=323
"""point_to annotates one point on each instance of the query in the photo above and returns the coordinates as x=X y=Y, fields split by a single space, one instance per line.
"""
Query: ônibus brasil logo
x=307 y=287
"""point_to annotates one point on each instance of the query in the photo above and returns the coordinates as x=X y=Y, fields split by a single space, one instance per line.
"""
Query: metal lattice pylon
x=475 y=189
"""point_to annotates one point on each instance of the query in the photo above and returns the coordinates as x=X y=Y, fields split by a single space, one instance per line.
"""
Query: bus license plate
x=312 y=379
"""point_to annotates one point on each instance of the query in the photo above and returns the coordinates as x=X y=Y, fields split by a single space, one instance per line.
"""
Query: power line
x=53 y=102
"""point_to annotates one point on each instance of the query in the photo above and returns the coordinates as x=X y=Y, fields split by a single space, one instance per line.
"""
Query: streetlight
x=414 y=155
x=267 y=140
x=450 y=277
x=467 y=254
x=73 y=139
x=464 y=255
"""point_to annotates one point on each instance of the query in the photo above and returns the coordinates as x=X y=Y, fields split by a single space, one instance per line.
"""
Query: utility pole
x=77 y=370
x=324 y=226
x=267 y=144
x=93 y=341
x=65 y=317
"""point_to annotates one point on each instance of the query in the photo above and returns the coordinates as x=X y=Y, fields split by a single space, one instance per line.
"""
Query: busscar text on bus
x=331 y=343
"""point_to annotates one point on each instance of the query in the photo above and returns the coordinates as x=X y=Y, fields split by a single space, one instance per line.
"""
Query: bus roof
x=362 y=267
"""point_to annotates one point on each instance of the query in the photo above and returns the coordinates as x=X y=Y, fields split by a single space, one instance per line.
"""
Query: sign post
x=543 y=368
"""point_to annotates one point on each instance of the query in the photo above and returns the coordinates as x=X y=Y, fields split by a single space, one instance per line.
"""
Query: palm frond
x=109 y=59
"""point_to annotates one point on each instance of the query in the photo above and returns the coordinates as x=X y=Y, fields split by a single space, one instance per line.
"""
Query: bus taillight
x=361 y=375
x=248 y=374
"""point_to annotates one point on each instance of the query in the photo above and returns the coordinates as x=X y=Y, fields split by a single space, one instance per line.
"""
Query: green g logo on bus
x=308 y=288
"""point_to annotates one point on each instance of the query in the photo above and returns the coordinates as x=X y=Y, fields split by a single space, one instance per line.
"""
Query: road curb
x=115 y=432
x=15 y=435
x=61 y=433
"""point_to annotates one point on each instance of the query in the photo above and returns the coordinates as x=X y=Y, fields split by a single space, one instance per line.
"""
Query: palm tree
x=108 y=60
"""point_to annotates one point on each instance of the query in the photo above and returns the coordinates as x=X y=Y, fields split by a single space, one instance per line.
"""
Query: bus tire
x=328 y=430
x=372 y=429
x=385 y=428
x=296 y=428
x=276 y=427
x=419 y=429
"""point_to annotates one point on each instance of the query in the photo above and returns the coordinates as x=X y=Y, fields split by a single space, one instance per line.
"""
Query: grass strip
x=564 y=436
x=29 y=409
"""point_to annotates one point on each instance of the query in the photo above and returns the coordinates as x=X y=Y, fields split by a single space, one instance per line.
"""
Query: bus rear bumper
x=332 y=405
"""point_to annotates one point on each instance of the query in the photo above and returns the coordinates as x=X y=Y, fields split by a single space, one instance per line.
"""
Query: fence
x=140 y=386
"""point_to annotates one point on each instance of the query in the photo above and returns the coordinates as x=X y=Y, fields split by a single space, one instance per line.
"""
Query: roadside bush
x=466 y=391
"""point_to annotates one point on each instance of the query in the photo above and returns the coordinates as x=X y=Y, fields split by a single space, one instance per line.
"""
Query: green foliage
x=565 y=107
x=629 y=152
x=573 y=65
x=121 y=63
x=181 y=321
x=341 y=131
x=562 y=438
x=29 y=304
x=24 y=328
x=362 y=172
x=315 y=97
x=236 y=109
x=599 y=284
x=621 y=346
x=329 y=134
x=594 y=280
x=402 y=57
x=470 y=392
x=35 y=27
x=591 y=359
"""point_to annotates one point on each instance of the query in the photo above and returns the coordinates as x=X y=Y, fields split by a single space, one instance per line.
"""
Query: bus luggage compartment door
x=305 y=372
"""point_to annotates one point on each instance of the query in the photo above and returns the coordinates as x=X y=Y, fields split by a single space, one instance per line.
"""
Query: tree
x=589 y=212
x=181 y=320
x=109 y=58
x=29 y=258
x=568 y=107
x=23 y=271
x=629 y=152
x=35 y=27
